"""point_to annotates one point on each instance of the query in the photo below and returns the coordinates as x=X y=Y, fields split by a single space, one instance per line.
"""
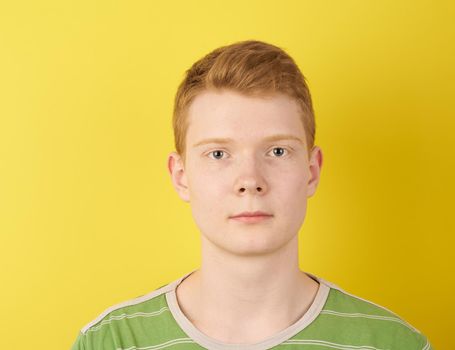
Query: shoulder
x=364 y=319
x=125 y=319
x=141 y=306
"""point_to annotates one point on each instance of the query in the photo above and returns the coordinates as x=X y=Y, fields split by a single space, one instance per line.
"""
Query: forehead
x=234 y=115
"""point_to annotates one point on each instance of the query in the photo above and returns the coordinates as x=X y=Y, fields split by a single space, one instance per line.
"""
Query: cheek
x=292 y=183
x=291 y=202
x=208 y=192
x=290 y=197
x=208 y=205
x=301 y=184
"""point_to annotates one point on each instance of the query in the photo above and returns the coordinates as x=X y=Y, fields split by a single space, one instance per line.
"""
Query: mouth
x=252 y=217
x=251 y=214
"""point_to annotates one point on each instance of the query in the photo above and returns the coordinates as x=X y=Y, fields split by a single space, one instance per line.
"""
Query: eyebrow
x=277 y=137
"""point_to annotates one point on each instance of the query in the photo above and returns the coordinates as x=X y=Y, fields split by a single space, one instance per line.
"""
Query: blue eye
x=216 y=152
x=279 y=148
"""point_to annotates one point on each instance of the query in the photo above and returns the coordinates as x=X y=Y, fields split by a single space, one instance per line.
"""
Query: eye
x=218 y=154
x=280 y=151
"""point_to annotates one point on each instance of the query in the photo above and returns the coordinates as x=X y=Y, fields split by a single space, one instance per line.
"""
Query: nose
x=253 y=191
x=251 y=179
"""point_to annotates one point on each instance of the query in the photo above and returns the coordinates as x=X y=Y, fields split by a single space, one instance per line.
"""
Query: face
x=246 y=154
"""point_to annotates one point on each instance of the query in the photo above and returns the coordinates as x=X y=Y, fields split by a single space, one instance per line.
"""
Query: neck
x=230 y=292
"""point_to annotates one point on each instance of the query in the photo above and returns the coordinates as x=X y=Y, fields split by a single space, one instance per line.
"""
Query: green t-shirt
x=335 y=320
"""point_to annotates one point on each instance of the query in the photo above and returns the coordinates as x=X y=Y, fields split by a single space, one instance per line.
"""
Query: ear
x=315 y=165
x=178 y=176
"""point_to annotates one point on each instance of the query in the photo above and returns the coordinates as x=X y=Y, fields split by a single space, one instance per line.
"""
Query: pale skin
x=249 y=285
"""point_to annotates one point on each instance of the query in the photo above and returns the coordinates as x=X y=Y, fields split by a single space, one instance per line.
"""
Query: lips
x=251 y=214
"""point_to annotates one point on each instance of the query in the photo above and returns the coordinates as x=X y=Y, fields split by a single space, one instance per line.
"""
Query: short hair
x=250 y=67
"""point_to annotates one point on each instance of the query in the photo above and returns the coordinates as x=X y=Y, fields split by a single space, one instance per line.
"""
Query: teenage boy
x=246 y=162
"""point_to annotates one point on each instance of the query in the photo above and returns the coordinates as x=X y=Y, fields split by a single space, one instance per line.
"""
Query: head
x=251 y=100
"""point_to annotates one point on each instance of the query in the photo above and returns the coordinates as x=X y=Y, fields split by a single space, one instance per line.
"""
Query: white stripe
x=123 y=316
x=370 y=302
x=134 y=301
x=162 y=345
x=386 y=318
x=328 y=344
x=427 y=345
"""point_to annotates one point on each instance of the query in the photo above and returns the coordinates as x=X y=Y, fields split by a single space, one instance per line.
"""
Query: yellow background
x=88 y=215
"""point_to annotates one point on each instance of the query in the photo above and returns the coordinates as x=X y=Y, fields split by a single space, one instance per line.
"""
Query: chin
x=243 y=244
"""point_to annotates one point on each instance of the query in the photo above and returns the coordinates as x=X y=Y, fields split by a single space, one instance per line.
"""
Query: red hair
x=251 y=67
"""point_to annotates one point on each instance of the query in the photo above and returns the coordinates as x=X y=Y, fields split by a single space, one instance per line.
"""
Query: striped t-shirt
x=336 y=319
